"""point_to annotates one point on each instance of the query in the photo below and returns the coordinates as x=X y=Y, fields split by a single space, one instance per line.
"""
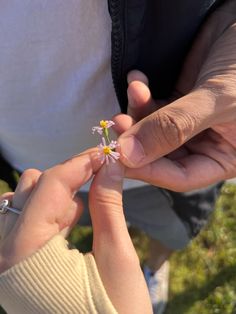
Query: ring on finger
x=5 y=206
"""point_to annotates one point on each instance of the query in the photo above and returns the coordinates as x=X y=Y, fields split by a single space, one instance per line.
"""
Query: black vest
x=153 y=36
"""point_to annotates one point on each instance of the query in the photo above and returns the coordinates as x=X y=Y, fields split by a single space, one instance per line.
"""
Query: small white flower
x=107 y=153
x=103 y=125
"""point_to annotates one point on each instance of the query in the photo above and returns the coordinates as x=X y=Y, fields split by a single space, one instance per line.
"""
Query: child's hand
x=50 y=206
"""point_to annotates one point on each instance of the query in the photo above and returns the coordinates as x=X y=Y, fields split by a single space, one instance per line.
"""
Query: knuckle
x=30 y=174
x=172 y=127
x=51 y=179
x=166 y=130
x=47 y=175
x=110 y=200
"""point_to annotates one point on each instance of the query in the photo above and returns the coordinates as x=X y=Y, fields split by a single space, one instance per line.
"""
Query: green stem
x=106 y=135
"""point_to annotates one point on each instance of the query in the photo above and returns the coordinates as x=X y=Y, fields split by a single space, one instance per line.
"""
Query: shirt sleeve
x=55 y=279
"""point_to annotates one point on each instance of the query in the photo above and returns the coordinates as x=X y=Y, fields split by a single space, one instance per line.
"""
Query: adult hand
x=49 y=205
x=189 y=143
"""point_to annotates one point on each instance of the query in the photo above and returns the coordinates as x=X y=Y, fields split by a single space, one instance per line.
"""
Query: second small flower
x=107 y=148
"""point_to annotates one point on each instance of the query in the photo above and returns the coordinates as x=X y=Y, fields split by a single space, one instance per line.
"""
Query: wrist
x=18 y=247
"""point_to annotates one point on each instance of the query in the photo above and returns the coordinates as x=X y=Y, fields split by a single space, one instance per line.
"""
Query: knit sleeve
x=55 y=279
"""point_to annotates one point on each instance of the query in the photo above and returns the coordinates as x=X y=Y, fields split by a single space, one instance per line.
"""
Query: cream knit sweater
x=55 y=279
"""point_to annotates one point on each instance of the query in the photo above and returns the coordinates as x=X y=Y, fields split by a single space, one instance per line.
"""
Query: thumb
x=106 y=209
x=166 y=129
x=115 y=256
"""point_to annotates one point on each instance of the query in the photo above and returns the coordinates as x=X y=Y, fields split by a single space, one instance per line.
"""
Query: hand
x=189 y=143
x=49 y=206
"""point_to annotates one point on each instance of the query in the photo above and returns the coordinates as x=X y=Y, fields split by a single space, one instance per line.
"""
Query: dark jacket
x=153 y=36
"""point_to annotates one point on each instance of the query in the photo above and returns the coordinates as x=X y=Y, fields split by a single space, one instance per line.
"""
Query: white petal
x=115 y=155
x=109 y=123
x=113 y=144
x=97 y=129
x=104 y=142
x=102 y=158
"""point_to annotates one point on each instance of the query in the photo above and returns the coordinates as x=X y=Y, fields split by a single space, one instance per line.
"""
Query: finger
x=115 y=256
x=185 y=174
x=6 y=196
x=136 y=75
x=50 y=207
x=57 y=187
x=18 y=199
x=4 y=219
x=122 y=123
x=167 y=129
x=140 y=102
x=105 y=203
x=25 y=186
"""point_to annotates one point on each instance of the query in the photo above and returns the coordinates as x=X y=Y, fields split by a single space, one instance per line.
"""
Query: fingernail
x=115 y=171
x=132 y=150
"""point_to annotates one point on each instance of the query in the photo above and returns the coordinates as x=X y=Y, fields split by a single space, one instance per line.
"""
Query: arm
x=50 y=206
x=55 y=279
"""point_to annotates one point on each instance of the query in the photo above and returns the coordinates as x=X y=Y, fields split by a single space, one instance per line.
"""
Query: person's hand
x=50 y=205
x=191 y=142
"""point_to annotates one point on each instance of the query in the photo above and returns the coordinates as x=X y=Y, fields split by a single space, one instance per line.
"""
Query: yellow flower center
x=106 y=150
x=103 y=124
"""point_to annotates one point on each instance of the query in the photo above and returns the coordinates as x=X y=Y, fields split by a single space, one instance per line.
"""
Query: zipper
x=117 y=10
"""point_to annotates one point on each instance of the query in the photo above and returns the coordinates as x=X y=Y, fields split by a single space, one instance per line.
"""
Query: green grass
x=203 y=276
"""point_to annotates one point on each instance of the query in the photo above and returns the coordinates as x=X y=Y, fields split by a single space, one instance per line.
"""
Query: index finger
x=65 y=178
x=186 y=174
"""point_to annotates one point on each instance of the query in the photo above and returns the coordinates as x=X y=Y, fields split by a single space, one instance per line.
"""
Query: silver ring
x=5 y=206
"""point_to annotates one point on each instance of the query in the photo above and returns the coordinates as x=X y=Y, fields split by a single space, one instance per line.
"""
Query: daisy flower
x=107 y=153
x=103 y=126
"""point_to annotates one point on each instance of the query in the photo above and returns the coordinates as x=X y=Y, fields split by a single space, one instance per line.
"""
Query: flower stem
x=106 y=135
